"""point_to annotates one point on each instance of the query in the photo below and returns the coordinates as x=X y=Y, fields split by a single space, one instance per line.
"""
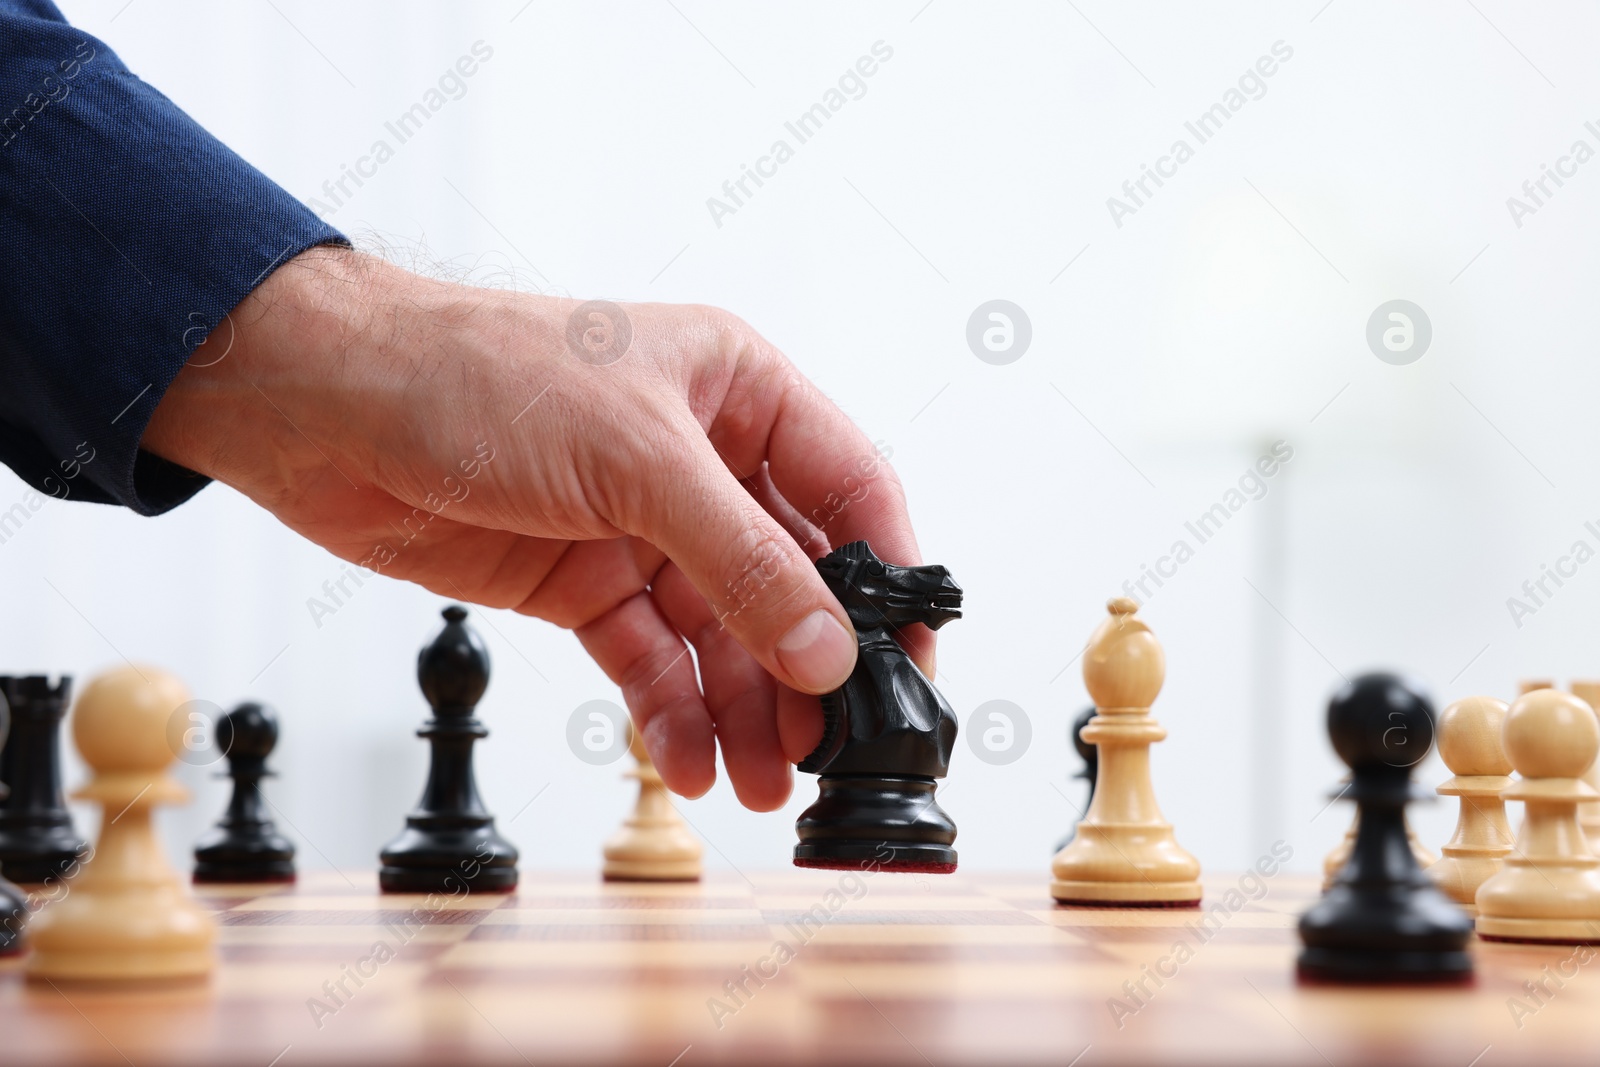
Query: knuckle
x=638 y=679
x=724 y=339
x=720 y=321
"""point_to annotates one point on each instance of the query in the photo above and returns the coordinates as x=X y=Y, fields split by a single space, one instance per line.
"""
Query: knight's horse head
x=878 y=594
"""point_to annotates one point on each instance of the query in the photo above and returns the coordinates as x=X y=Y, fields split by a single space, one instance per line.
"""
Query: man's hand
x=496 y=448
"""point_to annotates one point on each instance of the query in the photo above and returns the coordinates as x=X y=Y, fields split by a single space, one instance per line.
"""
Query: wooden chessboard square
x=619 y=931
x=350 y=916
x=397 y=903
x=969 y=971
x=873 y=916
x=566 y=916
x=630 y=898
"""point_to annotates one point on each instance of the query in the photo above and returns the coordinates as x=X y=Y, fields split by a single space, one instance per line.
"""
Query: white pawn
x=653 y=844
x=127 y=916
x=1470 y=743
x=1549 y=888
x=1589 y=812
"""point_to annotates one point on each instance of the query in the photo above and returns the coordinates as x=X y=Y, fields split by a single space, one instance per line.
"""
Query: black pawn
x=13 y=901
x=449 y=844
x=1383 y=920
x=38 y=843
x=1090 y=754
x=245 y=846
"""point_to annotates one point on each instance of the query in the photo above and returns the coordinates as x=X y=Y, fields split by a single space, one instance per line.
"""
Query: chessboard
x=797 y=966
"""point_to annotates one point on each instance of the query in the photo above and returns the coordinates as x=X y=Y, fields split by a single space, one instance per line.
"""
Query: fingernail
x=818 y=653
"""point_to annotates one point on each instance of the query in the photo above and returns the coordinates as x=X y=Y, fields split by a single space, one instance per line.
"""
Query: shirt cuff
x=127 y=236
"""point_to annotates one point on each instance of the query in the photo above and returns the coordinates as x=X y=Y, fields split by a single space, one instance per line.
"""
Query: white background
x=1228 y=312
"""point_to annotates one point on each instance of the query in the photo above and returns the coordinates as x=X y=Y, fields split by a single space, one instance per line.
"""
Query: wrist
x=280 y=377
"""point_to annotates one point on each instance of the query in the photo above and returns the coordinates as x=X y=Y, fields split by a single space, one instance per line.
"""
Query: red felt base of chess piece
x=1120 y=904
x=893 y=866
x=1535 y=940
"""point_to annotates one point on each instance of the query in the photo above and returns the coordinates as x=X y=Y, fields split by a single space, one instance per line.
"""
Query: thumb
x=759 y=583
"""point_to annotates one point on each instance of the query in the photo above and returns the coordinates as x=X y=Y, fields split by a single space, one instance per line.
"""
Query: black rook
x=37 y=840
x=13 y=902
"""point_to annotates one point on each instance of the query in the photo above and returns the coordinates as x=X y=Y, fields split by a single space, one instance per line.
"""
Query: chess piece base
x=1540 y=931
x=33 y=855
x=157 y=933
x=1530 y=900
x=92 y=966
x=907 y=861
x=13 y=916
x=1403 y=931
x=446 y=879
x=432 y=858
x=1354 y=965
x=1126 y=894
x=617 y=870
x=887 y=823
x=648 y=850
x=1098 y=867
x=247 y=853
x=278 y=872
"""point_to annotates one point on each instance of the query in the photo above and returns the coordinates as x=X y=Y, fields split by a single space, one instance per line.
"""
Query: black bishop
x=450 y=844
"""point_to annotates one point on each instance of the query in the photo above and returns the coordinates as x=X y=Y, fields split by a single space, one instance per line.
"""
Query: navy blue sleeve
x=127 y=234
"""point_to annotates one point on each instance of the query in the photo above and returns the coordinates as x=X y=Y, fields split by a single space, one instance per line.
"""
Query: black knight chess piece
x=38 y=843
x=887 y=733
x=449 y=844
x=1090 y=754
x=1383 y=920
x=245 y=846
